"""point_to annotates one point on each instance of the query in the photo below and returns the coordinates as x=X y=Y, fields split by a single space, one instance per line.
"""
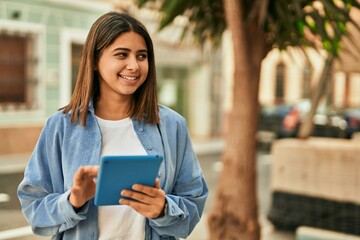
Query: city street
x=14 y=226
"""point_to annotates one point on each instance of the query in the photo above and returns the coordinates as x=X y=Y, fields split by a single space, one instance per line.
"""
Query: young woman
x=113 y=111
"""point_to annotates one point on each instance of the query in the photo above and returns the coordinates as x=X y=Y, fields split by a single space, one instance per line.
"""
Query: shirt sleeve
x=185 y=203
x=44 y=202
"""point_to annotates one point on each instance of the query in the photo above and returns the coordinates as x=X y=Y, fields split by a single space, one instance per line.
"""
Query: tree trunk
x=307 y=125
x=235 y=215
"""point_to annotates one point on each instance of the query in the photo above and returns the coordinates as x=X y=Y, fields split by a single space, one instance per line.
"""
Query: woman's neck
x=112 y=110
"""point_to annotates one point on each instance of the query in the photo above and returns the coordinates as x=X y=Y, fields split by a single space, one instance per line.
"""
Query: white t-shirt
x=120 y=222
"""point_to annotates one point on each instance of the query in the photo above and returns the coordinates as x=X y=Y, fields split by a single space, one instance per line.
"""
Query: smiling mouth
x=129 y=77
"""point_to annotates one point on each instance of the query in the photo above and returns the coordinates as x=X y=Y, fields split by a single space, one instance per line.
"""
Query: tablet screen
x=118 y=173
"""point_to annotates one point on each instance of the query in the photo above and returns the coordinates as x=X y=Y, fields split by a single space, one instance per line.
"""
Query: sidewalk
x=268 y=232
x=13 y=163
x=212 y=146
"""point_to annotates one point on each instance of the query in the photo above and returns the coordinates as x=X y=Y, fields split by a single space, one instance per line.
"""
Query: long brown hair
x=103 y=33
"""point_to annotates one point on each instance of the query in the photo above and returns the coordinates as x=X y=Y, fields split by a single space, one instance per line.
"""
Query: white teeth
x=128 y=78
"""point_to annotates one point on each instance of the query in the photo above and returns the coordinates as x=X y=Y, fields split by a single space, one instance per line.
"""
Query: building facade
x=288 y=78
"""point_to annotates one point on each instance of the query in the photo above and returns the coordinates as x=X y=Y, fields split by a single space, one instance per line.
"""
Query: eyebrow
x=128 y=50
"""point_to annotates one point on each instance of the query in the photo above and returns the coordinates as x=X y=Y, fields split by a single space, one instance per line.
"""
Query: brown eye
x=121 y=55
x=142 y=56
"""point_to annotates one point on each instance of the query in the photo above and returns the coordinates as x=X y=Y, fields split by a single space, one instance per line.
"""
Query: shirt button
x=141 y=129
x=149 y=148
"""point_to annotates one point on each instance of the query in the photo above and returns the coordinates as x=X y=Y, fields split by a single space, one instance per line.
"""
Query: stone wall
x=18 y=139
x=319 y=167
x=315 y=182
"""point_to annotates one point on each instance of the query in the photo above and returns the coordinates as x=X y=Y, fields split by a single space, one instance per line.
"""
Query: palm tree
x=256 y=26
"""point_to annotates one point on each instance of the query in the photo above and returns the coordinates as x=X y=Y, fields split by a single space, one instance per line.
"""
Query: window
x=71 y=44
x=76 y=50
x=172 y=88
x=17 y=68
x=280 y=78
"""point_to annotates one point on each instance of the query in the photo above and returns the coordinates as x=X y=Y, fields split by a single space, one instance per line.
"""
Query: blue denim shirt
x=63 y=147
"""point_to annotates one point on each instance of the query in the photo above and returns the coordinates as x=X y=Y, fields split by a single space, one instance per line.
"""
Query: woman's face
x=123 y=66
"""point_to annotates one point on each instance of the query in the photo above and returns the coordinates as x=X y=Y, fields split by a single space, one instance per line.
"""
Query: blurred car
x=352 y=117
x=285 y=120
x=291 y=121
x=271 y=117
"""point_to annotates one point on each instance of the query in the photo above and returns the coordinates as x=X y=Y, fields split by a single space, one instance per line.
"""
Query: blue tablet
x=118 y=173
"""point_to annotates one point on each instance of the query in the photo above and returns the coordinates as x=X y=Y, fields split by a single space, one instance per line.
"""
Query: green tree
x=256 y=26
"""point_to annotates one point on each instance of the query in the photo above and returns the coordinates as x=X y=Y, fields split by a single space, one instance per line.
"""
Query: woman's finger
x=157 y=183
x=151 y=191
x=86 y=172
x=137 y=196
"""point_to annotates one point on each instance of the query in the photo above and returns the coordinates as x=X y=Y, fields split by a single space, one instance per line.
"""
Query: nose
x=132 y=64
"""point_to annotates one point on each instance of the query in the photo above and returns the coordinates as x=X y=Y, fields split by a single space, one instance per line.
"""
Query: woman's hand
x=84 y=185
x=148 y=201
